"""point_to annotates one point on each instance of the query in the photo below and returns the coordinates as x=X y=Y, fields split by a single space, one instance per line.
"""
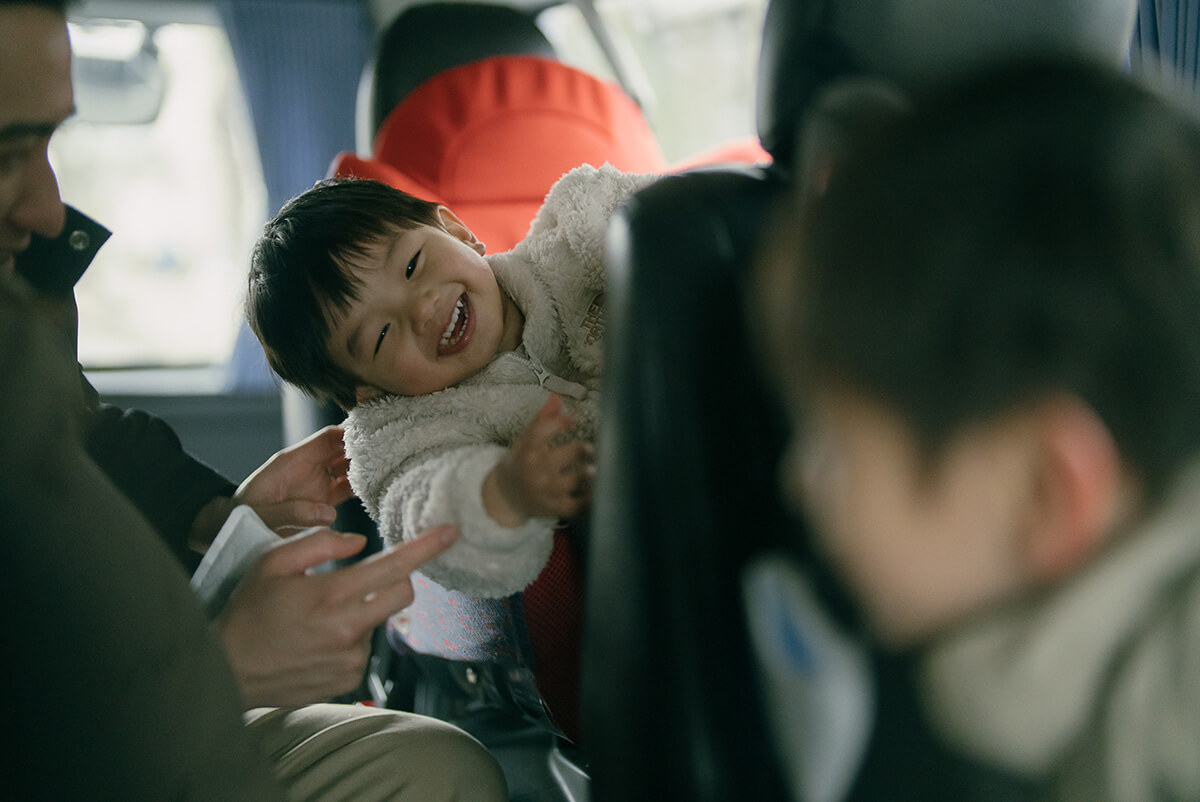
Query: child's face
x=920 y=546
x=429 y=314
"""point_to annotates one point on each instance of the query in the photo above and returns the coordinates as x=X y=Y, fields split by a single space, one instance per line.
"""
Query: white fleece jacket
x=1092 y=690
x=419 y=461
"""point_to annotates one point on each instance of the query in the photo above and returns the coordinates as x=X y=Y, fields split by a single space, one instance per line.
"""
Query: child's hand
x=541 y=477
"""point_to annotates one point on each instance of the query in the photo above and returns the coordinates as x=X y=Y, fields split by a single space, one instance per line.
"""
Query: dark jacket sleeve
x=143 y=457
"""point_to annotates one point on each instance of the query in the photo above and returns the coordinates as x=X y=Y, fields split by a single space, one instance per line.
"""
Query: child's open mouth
x=454 y=337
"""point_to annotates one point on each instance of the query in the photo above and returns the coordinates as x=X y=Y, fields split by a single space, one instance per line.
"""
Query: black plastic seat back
x=671 y=705
x=686 y=487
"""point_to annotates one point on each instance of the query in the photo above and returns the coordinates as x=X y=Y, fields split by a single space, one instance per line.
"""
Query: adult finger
x=338 y=466
x=383 y=582
x=338 y=490
x=298 y=513
x=309 y=549
x=327 y=442
x=392 y=566
x=381 y=605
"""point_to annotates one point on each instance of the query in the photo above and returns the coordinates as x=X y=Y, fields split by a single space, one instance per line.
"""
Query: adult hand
x=294 y=638
x=299 y=486
x=296 y=488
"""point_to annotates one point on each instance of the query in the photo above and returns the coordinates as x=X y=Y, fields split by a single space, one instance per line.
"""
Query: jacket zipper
x=555 y=384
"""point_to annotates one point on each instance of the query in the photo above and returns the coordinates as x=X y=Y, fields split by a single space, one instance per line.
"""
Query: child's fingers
x=557 y=460
x=546 y=425
x=574 y=457
x=577 y=492
x=558 y=481
x=567 y=503
x=552 y=407
x=585 y=479
x=552 y=412
x=576 y=475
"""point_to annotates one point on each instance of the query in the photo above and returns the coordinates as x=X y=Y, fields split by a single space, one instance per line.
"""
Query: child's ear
x=365 y=392
x=458 y=228
x=1077 y=488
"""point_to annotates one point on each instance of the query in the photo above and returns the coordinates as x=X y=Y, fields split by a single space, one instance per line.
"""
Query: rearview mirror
x=117 y=76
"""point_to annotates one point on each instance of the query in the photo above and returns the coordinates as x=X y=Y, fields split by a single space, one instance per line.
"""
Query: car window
x=691 y=63
x=168 y=161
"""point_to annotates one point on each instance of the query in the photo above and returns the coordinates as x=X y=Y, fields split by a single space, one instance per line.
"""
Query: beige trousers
x=349 y=752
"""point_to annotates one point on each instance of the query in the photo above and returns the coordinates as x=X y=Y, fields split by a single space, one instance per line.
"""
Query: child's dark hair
x=1036 y=231
x=302 y=275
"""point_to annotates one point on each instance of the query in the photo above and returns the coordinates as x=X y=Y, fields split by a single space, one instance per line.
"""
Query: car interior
x=647 y=683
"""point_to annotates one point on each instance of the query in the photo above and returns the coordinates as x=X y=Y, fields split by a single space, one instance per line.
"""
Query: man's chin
x=8 y=265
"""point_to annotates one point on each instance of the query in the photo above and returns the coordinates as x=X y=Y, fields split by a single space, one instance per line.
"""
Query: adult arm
x=187 y=501
x=119 y=686
x=141 y=454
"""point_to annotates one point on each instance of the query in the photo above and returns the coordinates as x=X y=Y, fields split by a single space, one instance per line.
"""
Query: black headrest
x=916 y=44
x=425 y=40
x=799 y=56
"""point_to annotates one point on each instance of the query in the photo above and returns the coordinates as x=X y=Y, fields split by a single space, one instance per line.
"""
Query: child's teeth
x=450 y=326
x=448 y=335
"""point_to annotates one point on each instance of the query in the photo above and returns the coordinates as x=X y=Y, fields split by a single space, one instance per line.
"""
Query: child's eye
x=412 y=265
x=382 y=333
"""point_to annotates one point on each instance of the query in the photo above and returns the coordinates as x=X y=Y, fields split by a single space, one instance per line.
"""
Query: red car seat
x=489 y=138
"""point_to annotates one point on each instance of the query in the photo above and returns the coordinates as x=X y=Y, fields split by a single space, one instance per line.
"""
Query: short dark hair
x=302 y=275
x=1031 y=232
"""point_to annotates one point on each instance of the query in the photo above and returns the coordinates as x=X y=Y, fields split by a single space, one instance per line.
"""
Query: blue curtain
x=302 y=99
x=301 y=94
x=1166 y=39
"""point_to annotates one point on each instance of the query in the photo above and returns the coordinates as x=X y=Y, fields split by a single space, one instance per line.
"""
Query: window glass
x=690 y=63
x=162 y=152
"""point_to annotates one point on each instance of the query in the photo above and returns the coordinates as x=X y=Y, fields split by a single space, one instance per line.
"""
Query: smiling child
x=472 y=381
